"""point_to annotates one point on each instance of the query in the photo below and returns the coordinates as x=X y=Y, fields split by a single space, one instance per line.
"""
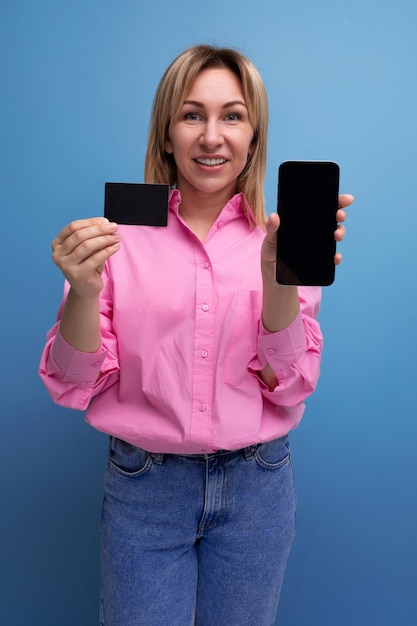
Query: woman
x=184 y=349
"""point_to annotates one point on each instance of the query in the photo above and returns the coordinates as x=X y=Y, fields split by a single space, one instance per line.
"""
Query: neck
x=200 y=210
x=199 y=219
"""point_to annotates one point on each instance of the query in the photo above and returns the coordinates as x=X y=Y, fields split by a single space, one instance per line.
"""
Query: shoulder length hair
x=172 y=90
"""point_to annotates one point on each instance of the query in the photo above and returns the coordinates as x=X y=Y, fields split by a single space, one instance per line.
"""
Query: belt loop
x=158 y=457
x=249 y=452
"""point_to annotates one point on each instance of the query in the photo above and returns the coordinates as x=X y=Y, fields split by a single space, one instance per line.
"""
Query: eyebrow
x=227 y=105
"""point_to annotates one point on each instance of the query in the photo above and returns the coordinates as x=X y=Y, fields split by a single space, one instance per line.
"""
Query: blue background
x=77 y=81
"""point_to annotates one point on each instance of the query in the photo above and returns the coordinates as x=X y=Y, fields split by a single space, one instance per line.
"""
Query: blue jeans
x=195 y=540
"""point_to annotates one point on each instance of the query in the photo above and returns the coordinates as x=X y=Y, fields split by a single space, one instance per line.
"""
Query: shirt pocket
x=243 y=343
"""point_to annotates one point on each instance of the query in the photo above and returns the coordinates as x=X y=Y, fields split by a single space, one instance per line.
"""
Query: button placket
x=203 y=351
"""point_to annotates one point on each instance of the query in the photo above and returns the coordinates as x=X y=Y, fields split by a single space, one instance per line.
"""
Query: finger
x=345 y=199
x=340 y=233
x=269 y=245
x=81 y=274
x=272 y=226
x=80 y=231
x=337 y=258
x=79 y=249
x=340 y=215
x=97 y=260
x=77 y=225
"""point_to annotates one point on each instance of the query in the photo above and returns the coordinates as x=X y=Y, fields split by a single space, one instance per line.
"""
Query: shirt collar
x=237 y=207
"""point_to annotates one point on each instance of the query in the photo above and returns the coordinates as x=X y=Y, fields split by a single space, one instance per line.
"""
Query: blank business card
x=137 y=204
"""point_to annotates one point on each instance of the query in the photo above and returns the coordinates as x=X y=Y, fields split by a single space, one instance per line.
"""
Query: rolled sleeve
x=83 y=367
x=283 y=348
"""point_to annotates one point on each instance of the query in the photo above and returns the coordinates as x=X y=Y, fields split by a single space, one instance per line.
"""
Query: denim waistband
x=247 y=452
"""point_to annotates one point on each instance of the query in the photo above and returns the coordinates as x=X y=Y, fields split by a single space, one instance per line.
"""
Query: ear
x=252 y=146
x=168 y=146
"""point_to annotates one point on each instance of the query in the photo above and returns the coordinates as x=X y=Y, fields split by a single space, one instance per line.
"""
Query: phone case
x=307 y=205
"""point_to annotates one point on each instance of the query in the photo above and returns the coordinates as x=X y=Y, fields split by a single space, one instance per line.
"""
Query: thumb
x=272 y=226
x=269 y=246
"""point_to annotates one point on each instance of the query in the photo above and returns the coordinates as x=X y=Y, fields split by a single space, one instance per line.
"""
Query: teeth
x=211 y=162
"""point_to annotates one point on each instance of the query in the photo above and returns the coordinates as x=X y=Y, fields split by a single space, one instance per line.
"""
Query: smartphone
x=307 y=204
x=137 y=204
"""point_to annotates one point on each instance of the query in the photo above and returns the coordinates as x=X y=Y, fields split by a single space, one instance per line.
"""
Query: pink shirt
x=182 y=341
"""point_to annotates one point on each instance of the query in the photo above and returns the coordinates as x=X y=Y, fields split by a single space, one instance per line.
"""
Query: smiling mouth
x=210 y=162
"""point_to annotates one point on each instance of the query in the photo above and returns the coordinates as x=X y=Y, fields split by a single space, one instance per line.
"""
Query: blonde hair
x=172 y=90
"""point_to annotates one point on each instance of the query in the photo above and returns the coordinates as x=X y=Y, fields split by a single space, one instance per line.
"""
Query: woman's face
x=211 y=137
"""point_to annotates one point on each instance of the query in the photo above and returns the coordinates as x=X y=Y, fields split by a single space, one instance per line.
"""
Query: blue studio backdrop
x=77 y=82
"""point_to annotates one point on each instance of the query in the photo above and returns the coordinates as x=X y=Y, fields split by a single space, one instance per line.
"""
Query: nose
x=211 y=137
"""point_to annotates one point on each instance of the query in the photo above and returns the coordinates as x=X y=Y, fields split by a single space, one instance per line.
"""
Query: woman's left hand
x=269 y=246
x=345 y=200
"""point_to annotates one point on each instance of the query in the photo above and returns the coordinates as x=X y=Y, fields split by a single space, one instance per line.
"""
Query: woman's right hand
x=81 y=250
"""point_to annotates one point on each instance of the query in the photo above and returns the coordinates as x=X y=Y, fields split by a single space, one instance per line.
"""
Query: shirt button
x=202 y=407
x=97 y=364
x=204 y=354
x=220 y=225
x=205 y=307
x=206 y=265
x=270 y=351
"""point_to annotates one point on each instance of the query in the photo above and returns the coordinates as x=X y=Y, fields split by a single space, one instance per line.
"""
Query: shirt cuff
x=283 y=348
x=76 y=365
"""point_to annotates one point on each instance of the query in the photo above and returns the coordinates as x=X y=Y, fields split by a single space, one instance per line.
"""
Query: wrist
x=281 y=305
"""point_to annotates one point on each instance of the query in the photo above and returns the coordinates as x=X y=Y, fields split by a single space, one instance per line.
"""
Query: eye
x=192 y=117
x=233 y=117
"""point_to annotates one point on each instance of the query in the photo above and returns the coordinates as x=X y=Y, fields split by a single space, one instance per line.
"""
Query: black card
x=138 y=204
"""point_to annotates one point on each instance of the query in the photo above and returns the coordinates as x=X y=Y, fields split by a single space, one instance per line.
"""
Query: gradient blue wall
x=77 y=80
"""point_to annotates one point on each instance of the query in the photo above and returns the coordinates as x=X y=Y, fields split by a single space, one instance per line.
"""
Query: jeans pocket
x=128 y=460
x=274 y=454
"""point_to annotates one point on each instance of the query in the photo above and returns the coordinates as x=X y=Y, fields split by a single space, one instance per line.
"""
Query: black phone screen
x=307 y=204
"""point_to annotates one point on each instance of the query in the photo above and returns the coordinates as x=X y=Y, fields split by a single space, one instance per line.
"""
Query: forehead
x=216 y=84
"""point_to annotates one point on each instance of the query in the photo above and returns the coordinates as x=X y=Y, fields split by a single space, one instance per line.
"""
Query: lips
x=210 y=162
